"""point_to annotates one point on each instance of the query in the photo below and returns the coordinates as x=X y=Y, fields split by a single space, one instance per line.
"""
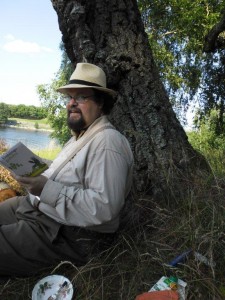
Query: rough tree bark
x=110 y=34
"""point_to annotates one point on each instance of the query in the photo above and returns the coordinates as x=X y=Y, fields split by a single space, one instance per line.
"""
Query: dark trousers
x=31 y=241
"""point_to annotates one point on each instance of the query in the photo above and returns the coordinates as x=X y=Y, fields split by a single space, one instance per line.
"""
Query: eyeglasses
x=80 y=99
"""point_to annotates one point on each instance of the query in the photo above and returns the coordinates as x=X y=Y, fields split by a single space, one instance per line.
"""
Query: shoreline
x=26 y=128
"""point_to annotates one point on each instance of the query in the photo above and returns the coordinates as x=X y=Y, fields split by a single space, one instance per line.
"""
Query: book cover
x=22 y=161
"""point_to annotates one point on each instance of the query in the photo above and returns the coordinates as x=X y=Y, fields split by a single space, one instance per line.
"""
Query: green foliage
x=210 y=141
x=4 y=113
x=212 y=94
x=176 y=30
x=208 y=135
x=54 y=103
x=21 y=111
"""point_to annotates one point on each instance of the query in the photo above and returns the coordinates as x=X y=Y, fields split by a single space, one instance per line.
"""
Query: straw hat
x=87 y=76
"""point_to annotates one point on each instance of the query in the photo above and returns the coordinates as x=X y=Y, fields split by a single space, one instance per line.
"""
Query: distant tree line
x=21 y=111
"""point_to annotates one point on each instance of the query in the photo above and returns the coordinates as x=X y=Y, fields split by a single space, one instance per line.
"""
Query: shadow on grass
x=154 y=235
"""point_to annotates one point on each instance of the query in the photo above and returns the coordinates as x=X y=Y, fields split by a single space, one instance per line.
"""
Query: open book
x=22 y=161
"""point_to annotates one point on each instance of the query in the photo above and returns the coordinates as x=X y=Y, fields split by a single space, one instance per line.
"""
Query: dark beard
x=76 y=125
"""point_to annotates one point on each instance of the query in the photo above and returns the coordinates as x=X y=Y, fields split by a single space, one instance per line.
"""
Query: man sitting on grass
x=73 y=208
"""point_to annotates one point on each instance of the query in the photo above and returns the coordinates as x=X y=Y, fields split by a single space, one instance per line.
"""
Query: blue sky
x=29 y=49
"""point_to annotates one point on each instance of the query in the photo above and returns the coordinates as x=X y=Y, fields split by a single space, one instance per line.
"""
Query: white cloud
x=19 y=46
x=9 y=37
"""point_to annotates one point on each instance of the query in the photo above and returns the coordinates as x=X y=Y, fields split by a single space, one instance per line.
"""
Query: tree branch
x=212 y=40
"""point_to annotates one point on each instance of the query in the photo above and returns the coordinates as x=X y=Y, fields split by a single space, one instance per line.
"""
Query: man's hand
x=34 y=185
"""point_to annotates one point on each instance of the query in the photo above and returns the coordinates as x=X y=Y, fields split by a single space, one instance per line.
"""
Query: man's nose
x=72 y=102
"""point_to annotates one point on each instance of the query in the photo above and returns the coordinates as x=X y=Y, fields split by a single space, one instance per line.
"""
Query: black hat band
x=83 y=82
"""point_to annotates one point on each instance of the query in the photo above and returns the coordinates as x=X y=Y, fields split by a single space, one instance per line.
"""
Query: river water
x=33 y=139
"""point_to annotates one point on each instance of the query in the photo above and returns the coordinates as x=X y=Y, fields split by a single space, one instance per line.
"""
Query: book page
x=22 y=161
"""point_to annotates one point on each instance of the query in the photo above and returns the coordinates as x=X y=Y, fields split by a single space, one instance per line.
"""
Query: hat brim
x=64 y=89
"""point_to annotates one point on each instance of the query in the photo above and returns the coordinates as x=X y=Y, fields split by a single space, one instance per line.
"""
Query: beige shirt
x=91 y=188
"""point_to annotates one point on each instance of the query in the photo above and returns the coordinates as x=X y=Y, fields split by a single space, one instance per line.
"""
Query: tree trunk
x=111 y=34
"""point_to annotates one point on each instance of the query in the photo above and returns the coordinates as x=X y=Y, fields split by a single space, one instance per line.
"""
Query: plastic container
x=165 y=283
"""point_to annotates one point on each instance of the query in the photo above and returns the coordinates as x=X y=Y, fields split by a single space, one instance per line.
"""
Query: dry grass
x=6 y=177
x=141 y=253
x=3 y=146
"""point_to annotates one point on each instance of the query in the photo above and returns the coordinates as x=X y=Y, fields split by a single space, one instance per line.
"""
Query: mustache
x=73 y=109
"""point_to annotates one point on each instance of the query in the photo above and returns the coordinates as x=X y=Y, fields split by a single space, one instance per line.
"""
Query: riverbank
x=27 y=124
x=27 y=128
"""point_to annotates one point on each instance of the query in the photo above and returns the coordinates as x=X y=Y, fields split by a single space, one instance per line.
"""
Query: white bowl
x=50 y=285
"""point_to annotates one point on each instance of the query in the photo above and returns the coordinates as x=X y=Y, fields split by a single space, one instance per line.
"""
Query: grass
x=31 y=121
x=216 y=160
x=154 y=235
x=48 y=153
x=31 y=124
x=141 y=254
